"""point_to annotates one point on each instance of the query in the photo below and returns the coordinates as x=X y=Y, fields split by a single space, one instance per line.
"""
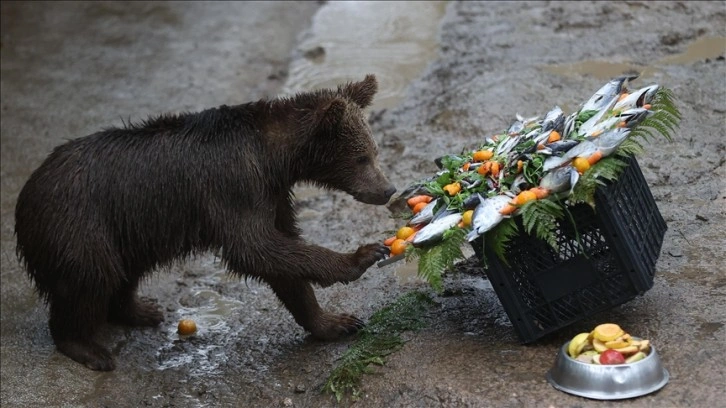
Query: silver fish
x=583 y=149
x=638 y=98
x=426 y=213
x=542 y=137
x=634 y=116
x=434 y=231
x=553 y=162
x=561 y=145
x=604 y=95
x=569 y=125
x=507 y=145
x=486 y=215
x=519 y=184
x=526 y=121
x=608 y=142
x=595 y=123
x=554 y=120
x=560 y=179
x=516 y=128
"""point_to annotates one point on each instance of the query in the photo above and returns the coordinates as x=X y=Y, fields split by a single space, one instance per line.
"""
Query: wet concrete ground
x=69 y=69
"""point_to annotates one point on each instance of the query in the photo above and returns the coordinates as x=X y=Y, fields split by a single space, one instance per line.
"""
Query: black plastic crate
x=543 y=290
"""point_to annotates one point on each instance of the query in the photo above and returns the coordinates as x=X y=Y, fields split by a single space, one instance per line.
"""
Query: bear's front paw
x=330 y=326
x=367 y=255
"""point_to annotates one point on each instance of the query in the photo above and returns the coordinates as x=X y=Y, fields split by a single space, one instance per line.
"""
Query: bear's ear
x=361 y=92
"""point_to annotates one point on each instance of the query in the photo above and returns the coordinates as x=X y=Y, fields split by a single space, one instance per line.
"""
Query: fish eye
x=362 y=160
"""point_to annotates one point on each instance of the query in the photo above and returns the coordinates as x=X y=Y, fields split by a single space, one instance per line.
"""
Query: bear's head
x=343 y=154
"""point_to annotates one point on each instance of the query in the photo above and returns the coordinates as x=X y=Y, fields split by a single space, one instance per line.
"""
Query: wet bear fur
x=106 y=210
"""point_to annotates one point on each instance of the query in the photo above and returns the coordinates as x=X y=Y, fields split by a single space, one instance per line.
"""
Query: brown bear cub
x=105 y=210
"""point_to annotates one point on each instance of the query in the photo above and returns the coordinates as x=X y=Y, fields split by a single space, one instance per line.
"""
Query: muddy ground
x=69 y=69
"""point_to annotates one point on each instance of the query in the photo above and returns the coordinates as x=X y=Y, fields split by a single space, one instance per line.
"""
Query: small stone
x=300 y=388
x=287 y=402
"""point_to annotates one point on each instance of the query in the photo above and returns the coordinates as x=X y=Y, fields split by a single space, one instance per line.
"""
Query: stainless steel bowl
x=607 y=382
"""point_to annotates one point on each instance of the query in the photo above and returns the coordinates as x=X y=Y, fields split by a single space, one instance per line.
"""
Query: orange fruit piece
x=418 y=207
x=483 y=155
x=452 y=189
x=540 y=192
x=484 y=168
x=525 y=197
x=404 y=232
x=508 y=209
x=398 y=247
x=495 y=169
x=554 y=136
x=466 y=217
x=581 y=164
x=389 y=241
x=186 y=327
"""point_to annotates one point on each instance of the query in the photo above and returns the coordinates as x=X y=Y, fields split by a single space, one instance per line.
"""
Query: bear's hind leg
x=299 y=298
x=74 y=319
x=126 y=308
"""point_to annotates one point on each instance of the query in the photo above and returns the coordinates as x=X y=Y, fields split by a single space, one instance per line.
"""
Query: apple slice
x=611 y=357
x=635 y=357
x=626 y=351
x=598 y=345
x=620 y=342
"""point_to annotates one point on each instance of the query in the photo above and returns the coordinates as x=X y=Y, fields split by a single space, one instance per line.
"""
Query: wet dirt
x=452 y=75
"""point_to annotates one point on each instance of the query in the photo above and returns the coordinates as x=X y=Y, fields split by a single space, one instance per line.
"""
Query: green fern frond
x=665 y=119
x=378 y=339
x=607 y=169
x=541 y=217
x=630 y=147
x=433 y=261
x=499 y=237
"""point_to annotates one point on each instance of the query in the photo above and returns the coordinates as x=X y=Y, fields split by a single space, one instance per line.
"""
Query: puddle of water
x=210 y=318
x=699 y=50
x=349 y=39
x=599 y=69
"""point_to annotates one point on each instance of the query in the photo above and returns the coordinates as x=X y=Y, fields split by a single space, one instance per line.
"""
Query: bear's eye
x=362 y=160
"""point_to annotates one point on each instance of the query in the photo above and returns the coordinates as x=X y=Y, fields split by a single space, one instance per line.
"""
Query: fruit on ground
x=186 y=327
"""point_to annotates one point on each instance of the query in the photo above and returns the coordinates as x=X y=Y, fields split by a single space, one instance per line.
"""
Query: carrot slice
x=595 y=157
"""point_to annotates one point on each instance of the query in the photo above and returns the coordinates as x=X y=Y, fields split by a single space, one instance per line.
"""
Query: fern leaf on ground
x=378 y=339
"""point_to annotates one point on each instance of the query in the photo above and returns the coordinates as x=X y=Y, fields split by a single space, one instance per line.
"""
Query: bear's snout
x=389 y=192
x=380 y=197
